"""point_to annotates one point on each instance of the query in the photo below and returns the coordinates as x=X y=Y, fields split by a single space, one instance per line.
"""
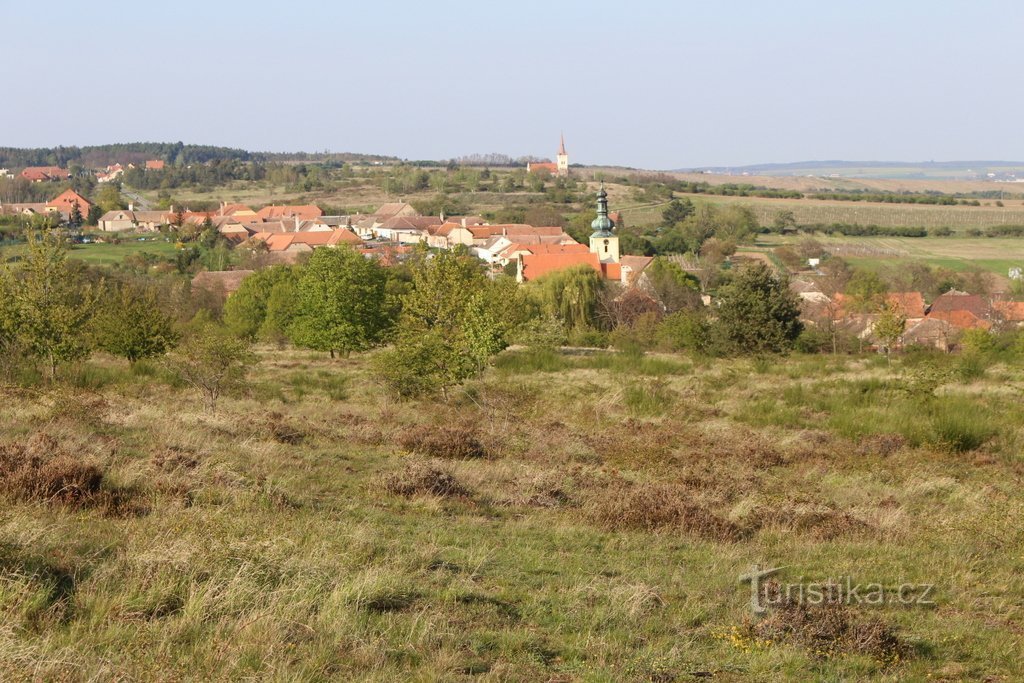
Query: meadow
x=994 y=255
x=564 y=518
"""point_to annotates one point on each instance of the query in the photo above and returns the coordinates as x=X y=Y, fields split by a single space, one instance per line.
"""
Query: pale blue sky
x=655 y=84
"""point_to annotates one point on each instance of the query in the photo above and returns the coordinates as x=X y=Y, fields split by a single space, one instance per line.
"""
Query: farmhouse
x=38 y=174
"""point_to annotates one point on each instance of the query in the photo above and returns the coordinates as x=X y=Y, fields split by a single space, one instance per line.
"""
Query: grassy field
x=810 y=211
x=996 y=255
x=105 y=254
x=589 y=522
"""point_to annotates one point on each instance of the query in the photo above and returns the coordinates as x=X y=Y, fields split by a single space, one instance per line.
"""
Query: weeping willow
x=570 y=295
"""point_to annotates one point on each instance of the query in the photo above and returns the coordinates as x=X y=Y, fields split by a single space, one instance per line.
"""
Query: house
x=931 y=332
x=236 y=210
x=962 y=310
x=109 y=173
x=129 y=219
x=394 y=210
x=414 y=228
x=288 y=246
x=38 y=174
x=65 y=203
x=154 y=165
x=305 y=212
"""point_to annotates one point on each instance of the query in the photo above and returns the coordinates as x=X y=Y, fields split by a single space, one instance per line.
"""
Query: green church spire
x=602 y=225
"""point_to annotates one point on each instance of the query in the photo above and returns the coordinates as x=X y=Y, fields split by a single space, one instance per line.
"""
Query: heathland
x=563 y=517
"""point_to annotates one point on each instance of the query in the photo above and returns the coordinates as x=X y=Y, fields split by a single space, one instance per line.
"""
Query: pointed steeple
x=561 y=147
x=602 y=225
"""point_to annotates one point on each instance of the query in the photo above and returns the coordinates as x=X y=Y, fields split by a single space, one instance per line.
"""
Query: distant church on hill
x=559 y=168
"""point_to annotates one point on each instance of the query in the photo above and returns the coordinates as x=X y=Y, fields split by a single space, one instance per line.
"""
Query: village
x=286 y=234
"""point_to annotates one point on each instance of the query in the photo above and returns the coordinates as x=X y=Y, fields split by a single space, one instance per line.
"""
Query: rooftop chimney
x=131 y=206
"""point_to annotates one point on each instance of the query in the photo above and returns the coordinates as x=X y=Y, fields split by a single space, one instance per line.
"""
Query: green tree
x=571 y=295
x=131 y=324
x=109 y=198
x=342 y=301
x=75 y=218
x=212 y=360
x=889 y=327
x=675 y=288
x=677 y=211
x=454 y=319
x=866 y=292
x=52 y=303
x=282 y=310
x=758 y=313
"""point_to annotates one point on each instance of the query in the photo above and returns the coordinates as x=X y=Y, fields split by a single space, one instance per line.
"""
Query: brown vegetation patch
x=424 y=478
x=827 y=629
x=283 y=431
x=73 y=406
x=651 y=507
x=41 y=470
x=452 y=443
x=821 y=521
x=881 y=444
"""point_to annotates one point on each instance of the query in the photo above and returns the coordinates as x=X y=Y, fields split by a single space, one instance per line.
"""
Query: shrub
x=40 y=470
x=424 y=478
x=650 y=507
x=454 y=443
x=827 y=629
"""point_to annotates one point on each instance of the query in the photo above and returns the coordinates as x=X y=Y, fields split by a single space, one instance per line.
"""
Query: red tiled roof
x=304 y=212
x=960 y=301
x=542 y=166
x=154 y=165
x=910 y=304
x=65 y=201
x=961 y=318
x=537 y=265
x=38 y=173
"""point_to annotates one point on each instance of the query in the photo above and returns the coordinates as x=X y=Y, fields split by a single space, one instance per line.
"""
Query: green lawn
x=108 y=254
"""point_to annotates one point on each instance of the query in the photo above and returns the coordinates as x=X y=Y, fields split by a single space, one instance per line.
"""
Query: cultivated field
x=811 y=211
x=588 y=521
x=996 y=255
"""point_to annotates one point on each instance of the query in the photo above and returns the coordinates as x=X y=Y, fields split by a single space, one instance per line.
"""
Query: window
x=606 y=246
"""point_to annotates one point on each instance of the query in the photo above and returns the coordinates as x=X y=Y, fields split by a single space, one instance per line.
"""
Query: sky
x=655 y=84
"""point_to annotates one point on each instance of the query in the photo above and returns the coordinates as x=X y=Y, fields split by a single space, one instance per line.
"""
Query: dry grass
x=654 y=507
x=452 y=443
x=424 y=478
x=828 y=629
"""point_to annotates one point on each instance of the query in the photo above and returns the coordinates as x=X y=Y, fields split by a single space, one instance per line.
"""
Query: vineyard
x=809 y=211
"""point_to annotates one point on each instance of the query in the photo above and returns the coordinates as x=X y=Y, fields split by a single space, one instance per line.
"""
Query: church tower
x=604 y=242
x=562 y=159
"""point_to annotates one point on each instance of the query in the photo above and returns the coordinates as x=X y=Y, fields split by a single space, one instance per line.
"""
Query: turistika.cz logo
x=766 y=592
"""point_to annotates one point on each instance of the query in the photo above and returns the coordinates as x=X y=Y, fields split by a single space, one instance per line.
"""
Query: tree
x=212 y=360
x=109 y=198
x=246 y=310
x=342 y=302
x=866 y=292
x=758 y=313
x=75 y=218
x=52 y=303
x=95 y=214
x=675 y=288
x=677 y=211
x=131 y=324
x=571 y=295
x=453 y=321
x=889 y=327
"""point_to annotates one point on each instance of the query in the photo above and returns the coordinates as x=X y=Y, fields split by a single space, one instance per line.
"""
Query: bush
x=651 y=507
x=685 y=331
x=423 y=478
x=454 y=443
